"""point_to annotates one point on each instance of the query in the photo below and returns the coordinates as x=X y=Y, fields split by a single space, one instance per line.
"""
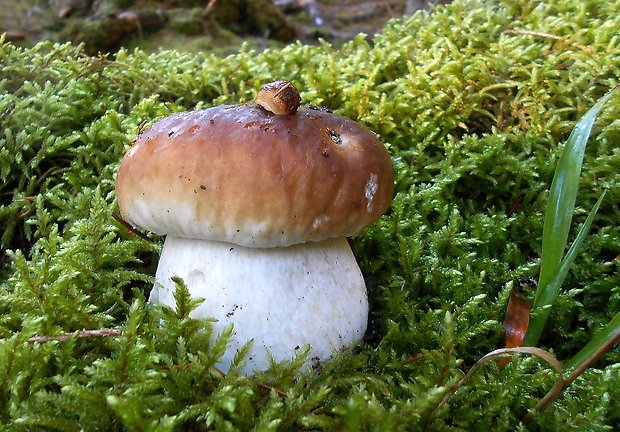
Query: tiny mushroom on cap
x=257 y=200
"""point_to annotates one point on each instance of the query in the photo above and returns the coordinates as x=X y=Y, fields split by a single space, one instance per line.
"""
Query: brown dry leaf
x=515 y=323
x=516 y=320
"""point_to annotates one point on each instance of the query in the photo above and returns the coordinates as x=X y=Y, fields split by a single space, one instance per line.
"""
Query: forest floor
x=30 y=21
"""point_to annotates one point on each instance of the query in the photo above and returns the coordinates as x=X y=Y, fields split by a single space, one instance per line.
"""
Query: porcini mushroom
x=257 y=206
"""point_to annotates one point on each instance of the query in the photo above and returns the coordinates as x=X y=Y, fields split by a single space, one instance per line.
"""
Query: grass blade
x=602 y=341
x=581 y=235
x=558 y=218
x=548 y=296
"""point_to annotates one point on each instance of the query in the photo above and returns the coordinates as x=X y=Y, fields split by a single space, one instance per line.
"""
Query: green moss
x=188 y=22
x=252 y=17
x=473 y=117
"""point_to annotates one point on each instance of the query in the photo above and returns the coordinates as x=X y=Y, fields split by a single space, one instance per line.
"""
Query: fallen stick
x=105 y=332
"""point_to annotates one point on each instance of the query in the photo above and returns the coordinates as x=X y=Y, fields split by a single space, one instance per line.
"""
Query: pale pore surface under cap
x=282 y=298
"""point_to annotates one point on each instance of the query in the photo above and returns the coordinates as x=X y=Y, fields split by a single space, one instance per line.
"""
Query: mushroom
x=257 y=206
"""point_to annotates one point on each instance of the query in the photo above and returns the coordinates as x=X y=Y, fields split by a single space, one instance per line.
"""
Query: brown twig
x=208 y=8
x=412 y=359
x=559 y=387
x=548 y=36
x=515 y=205
x=190 y=366
x=278 y=391
x=105 y=332
x=500 y=352
x=130 y=228
x=28 y=200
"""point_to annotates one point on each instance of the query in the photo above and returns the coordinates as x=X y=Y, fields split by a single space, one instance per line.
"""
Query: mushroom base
x=281 y=298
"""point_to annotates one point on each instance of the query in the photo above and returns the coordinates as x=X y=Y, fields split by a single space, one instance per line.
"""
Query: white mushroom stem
x=281 y=298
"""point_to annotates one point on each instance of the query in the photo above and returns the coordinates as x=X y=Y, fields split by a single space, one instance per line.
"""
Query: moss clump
x=474 y=118
x=186 y=21
x=253 y=17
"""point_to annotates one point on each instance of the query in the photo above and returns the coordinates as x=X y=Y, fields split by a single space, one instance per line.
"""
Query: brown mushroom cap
x=240 y=174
